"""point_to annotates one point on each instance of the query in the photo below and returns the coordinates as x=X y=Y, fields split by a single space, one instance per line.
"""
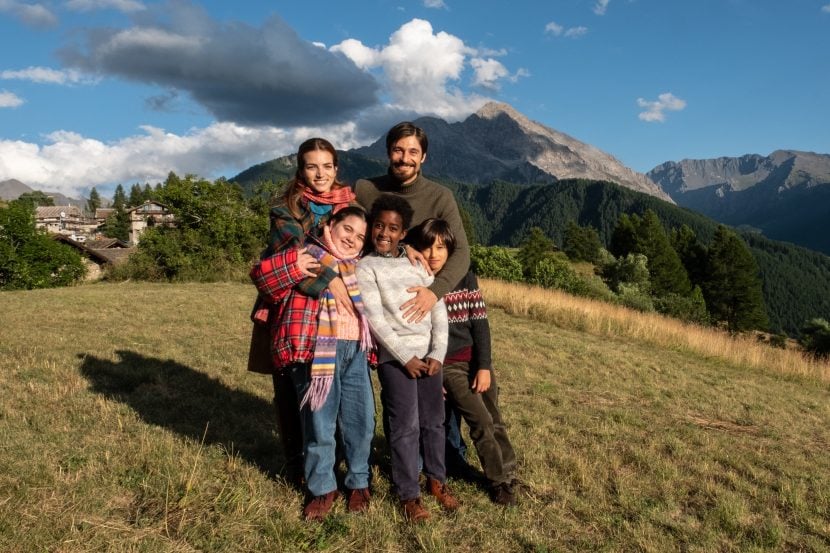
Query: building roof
x=54 y=211
x=112 y=255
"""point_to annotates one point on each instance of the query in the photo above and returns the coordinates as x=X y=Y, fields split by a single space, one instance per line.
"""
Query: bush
x=815 y=337
x=631 y=296
x=631 y=270
x=686 y=308
x=495 y=262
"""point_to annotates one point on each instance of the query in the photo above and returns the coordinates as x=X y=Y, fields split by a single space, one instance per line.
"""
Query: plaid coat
x=293 y=317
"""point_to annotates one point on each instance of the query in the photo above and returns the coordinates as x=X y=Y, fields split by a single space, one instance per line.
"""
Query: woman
x=309 y=200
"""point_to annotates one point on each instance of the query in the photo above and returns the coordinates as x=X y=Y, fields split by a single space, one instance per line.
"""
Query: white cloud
x=419 y=68
x=601 y=6
x=68 y=162
x=574 y=32
x=826 y=8
x=9 y=99
x=655 y=109
x=487 y=72
x=556 y=29
x=35 y=15
x=45 y=75
x=434 y=4
x=126 y=6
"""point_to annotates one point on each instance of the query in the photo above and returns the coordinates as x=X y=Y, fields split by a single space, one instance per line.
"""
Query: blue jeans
x=456 y=448
x=351 y=405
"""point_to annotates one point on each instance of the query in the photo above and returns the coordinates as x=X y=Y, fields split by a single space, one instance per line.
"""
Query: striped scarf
x=325 y=350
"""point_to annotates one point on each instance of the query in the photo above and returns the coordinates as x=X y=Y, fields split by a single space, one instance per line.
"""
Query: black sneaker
x=502 y=494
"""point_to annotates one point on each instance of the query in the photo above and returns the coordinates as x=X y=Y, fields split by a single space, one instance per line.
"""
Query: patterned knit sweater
x=469 y=332
x=383 y=282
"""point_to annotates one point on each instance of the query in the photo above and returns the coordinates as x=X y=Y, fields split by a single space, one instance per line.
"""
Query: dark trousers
x=481 y=411
x=414 y=411
x=288 y=416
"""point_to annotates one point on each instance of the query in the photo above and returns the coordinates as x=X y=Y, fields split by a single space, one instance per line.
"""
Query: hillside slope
x=146 y=433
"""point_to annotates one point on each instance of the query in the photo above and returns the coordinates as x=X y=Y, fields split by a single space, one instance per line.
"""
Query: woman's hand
x=415 y=309
x=342 y=300
x=306 y=263
x=481 y=382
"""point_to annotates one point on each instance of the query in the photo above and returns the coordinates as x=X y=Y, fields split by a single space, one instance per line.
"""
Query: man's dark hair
x=391 y=202
x=402 y=130
x=424 y=235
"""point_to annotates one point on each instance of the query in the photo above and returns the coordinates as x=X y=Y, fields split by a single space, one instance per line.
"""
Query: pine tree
x=94 y=201
x=733 y=288
x=534 y=248
x=136 y=195
x=668 y=276
x=581 y=243
x=117 y=224
x=692 y=253
x=624 y=237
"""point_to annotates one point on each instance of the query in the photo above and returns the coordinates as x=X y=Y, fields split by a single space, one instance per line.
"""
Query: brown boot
x=358 y=500
x=319 y=506
x=441 y=492
x=413 y=510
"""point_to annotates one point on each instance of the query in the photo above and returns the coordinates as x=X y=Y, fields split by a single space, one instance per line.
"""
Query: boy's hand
x=433 y=366
x=415 y=367
x=415 y=309
x=342 y=300
x=306 y=263
x=415 y=257
x=481 y=382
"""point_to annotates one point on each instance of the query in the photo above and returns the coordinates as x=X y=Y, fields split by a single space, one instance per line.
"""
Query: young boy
x=468 y=375
x=410 y=356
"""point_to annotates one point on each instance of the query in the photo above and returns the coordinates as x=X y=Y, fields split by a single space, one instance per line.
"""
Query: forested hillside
x=796 y=281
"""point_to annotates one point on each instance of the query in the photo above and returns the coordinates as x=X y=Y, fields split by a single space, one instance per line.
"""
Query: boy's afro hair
x=392 y=202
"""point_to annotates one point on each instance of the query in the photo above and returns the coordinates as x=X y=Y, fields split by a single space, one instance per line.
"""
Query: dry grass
x=128 y=423
x=604 y=319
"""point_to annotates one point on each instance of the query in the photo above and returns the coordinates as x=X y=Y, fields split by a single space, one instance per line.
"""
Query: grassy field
x=128 y=423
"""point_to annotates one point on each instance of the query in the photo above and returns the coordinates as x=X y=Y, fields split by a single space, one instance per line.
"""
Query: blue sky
x=100 y=92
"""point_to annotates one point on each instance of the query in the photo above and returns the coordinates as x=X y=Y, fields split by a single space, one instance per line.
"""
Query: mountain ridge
x=785 y=195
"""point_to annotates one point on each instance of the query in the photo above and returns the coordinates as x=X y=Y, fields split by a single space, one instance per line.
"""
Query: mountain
x=499 y=143
x=12 y=189
x=785 y=195
x=495 y=143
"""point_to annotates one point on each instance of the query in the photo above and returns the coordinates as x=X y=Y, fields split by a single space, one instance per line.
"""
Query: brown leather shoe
x=413 y=510
x=441 y=492
x=358 y=500
x=318 y=507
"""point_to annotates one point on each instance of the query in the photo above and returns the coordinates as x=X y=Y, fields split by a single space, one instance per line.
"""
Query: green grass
x=128 y=423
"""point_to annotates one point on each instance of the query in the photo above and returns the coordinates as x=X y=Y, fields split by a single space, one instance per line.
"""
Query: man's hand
x=342 y=301
x=306 y=263
x=415 y=368
x=415 y=257
x=433 y=366
x=481 y=382
x=415 y=309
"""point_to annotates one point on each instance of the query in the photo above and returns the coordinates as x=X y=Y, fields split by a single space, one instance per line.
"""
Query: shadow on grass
x=180 y=398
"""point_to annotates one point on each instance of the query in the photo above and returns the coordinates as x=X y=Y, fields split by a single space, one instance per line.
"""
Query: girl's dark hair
x=294 y=189
x=425 y=235
x=349 y=211
x=391 y=202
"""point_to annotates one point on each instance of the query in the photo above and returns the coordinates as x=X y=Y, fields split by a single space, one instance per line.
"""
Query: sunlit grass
x=129 y=423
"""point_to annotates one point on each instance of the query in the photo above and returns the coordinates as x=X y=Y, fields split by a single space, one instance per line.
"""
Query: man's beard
x=403 y=171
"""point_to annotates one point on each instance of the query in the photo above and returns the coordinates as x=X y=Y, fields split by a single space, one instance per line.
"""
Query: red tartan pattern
x=294 y=327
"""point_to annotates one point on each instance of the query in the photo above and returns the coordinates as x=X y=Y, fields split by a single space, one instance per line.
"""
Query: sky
x=102 y=92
